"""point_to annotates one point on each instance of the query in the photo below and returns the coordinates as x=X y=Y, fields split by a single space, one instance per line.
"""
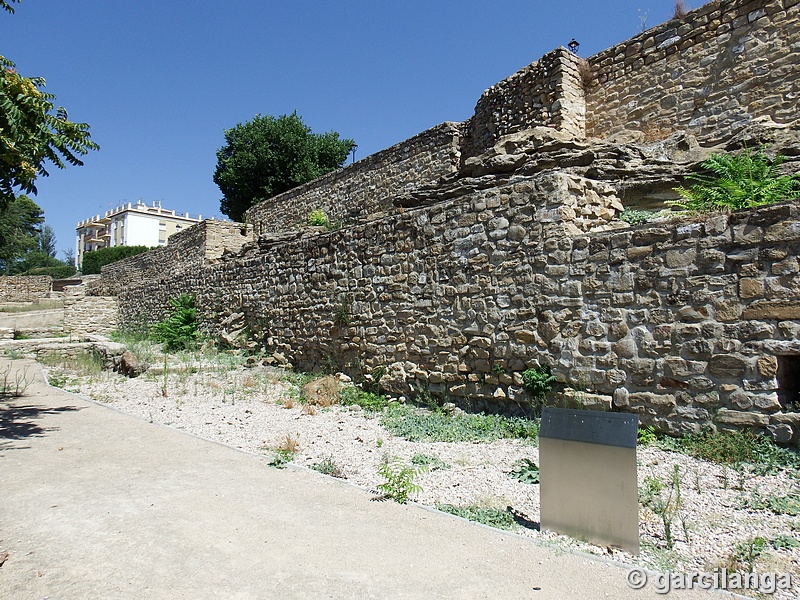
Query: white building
x=130 y=225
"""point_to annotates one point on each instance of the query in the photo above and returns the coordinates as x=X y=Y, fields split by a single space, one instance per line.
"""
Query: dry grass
x=289 y=444
x=308 y=409
x=586 y=75
x=288 y=402
x=680 y=9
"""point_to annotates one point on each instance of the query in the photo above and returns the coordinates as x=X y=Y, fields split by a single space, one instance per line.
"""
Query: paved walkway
x=98 y=504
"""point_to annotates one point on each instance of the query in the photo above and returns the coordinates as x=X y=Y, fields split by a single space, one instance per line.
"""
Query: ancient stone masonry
x=85 y=314
x=725 y=65
x=507 y=251
x=194 y=248
x=364 y=189
x=28 y=288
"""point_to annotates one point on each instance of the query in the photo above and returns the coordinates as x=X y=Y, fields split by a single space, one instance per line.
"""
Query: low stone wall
x=724 y=65
x=25 y=288
x=366 y=187
x=84 y=315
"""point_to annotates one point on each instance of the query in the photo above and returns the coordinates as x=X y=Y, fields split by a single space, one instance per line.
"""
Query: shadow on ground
x=19 y=422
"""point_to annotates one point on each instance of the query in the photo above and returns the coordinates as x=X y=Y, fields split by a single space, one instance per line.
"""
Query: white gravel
x=245 y=409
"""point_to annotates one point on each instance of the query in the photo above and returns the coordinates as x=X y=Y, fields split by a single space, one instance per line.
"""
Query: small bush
x=538 y=381
x=399 y=480
x=318 y=218
x=179 y=330
x=745 y=180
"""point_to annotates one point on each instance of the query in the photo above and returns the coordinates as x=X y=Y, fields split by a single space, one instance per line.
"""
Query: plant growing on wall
x=179 y=330
x=538 y=381
x=318 y=218
x=731 y=182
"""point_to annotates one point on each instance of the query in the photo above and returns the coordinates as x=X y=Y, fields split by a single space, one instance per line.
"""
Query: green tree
x=268 y=156
x=20 y=226
x=33 y=132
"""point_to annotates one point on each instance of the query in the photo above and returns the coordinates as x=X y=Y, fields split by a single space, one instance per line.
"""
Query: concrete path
x=98 y=504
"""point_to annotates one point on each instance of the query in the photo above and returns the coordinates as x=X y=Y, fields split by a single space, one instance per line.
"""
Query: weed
x=318 y=218
x=308 y=409
x=785 y=542
x=746 y=553
x=285 y=451
x=327 y=466
x=379 y=442
x=58 y=380
x=493 y=517
x=525 y=471
x=745 y=180
x=735 y=449
x=634 y=216
x=646 y=435
x=366 y=400
x=779 y=505
x=341 y=314
x=406 y=422
x=538 y=381
x=664 y=500
x=399 y=480
x=179 y=330
x=431 y=463
x=13 y=386
x=680 y=10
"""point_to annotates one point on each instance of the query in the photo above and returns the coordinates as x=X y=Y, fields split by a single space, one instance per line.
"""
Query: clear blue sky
x=160 y=80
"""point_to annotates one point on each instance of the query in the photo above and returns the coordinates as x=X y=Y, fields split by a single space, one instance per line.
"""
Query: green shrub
x=56 y=272
x=745 y=180
x=399 y=480
x=318 y=218
x=538 y=381
x=94 y=260
x=179 y=330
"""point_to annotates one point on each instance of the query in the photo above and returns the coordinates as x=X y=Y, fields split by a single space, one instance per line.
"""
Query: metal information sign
x=587 y=466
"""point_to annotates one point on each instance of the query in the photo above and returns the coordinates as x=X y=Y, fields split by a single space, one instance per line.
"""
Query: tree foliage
x=33 y=132
x=6 y=5
x=94 y=260
x=268 y=156
x=735 y=181
x=20 y=225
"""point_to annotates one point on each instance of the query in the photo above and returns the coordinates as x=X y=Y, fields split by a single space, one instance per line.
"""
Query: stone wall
x=546 y=93
x=724 y=65
x=366 y=187
x=25 y=288
x=193 y=248
x=84 y=314
x=685 y=323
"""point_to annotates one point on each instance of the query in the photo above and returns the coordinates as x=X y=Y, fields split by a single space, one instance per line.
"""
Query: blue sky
x=160 y=81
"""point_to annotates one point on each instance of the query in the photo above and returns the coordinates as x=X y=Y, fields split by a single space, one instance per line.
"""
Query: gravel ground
x=258 y=409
